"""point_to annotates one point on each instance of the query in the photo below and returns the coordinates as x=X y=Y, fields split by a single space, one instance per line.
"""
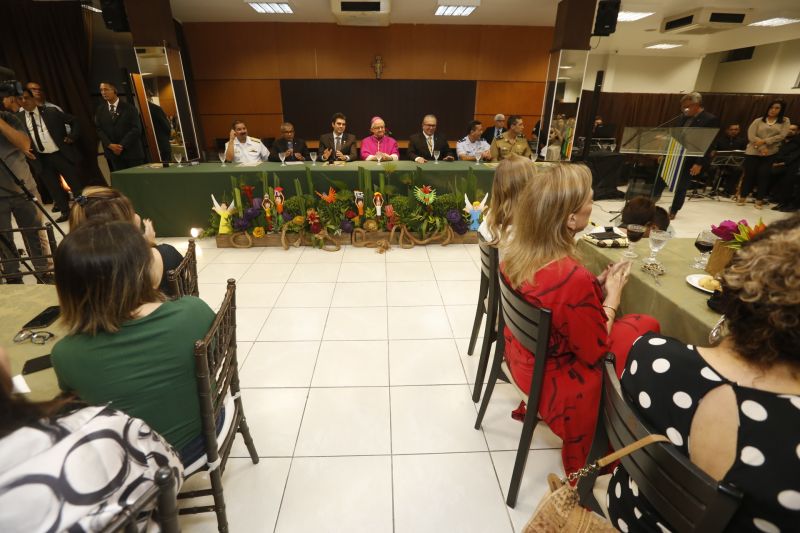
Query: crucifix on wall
x=378 y=66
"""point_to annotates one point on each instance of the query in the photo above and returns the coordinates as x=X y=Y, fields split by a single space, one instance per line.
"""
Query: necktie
x=430 y=145
x=498 y=132
x=337 y=146
x=39 y=145
x=113 y=111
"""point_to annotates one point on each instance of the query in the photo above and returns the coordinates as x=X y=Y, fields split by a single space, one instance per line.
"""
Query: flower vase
x=720 y=257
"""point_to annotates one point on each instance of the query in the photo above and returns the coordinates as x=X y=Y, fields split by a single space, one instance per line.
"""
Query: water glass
x=222 y=158
x=282 y=157
x=179 y=158
x=658 y=239
x=436 y=156
x=313 y=156
x=478 y=156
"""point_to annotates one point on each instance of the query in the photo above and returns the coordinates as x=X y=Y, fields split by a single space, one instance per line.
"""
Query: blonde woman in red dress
x=541 y=263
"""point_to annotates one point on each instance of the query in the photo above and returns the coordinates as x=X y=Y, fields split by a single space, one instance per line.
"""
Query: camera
x=10 y=88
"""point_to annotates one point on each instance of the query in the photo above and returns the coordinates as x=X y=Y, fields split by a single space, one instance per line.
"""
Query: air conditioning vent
x=703 y=21
x=361 y=13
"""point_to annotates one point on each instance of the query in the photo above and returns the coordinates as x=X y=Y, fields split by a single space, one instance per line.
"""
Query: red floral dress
x=578 y=339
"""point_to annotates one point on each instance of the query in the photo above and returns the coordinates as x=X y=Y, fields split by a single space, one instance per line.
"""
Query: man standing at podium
x=694 y=116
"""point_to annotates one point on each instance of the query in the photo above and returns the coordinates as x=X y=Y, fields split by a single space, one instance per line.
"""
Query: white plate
x=694 y=281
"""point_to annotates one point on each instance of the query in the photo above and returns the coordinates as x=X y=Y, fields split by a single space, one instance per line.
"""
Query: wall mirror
x=565 y=72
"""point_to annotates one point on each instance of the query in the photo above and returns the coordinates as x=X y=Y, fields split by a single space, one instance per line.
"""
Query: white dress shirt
x=470 y=148
x=47 y=140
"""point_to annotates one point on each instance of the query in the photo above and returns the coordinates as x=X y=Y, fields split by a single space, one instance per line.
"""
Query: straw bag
x=560 y=510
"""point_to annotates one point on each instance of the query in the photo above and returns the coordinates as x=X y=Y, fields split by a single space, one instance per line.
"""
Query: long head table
x=178 y=198
x=680 y=308
x=19 y=304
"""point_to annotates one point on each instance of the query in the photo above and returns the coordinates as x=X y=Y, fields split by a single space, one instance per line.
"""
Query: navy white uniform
x=250 y=151
x=471 y=148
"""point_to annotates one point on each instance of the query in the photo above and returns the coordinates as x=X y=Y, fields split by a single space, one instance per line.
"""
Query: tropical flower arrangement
x=735 y=234
x=421 y=211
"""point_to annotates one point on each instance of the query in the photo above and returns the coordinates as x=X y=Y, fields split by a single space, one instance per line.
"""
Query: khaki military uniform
x=502 y=149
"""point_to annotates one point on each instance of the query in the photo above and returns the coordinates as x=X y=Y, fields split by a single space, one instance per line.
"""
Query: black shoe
x=14 y=281
x=778 y=207
x=55 y=209
x=789 y=208
x=63 y=218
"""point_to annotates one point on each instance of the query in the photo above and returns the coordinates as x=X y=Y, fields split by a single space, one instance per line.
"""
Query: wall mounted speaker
x=605 y=23
x=114 y=15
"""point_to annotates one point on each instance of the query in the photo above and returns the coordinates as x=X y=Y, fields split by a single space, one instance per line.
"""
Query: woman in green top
x=126 y=345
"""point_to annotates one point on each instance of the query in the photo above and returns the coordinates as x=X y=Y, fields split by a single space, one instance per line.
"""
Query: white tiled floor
x=357 y=390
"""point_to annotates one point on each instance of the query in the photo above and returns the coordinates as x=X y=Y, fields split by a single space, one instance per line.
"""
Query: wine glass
x=635 y=234
x=179 y=158
x=436 y=157
x=704 y=244
x=313 y=156
x=658 y=239
x=533 y=157
x=378 y=156
x=478 y=156
x=222 y=158
x=282 y=157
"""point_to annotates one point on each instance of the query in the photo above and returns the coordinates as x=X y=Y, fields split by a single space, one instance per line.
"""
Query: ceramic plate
x=694 y=281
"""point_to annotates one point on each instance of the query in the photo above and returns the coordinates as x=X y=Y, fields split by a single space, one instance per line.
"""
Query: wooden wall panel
x=233 y=97
x=265 y=50
x=237 y=66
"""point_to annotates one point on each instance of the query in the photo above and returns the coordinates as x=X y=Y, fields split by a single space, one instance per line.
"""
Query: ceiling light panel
x=632 y=16
x=456 y=8
x=773 y=22
x=272 y=8
x=663 y=46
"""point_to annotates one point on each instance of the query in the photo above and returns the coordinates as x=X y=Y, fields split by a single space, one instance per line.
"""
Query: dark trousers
x=684 y=180
x=27 y=216
x=116 y=162
x=52 y=166
x=757 y=173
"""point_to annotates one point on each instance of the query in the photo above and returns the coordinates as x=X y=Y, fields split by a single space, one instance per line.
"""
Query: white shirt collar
x=114 y=103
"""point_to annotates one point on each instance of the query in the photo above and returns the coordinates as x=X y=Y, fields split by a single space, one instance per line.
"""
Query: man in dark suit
x=694 y=116
x=421 y=146
x=338 y=145
x=497 y=130
x=163 y=130
x=120 y=129
x=294 y=148
x=54 y=148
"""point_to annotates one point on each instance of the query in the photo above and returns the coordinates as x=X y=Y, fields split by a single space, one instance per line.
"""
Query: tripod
x=29 y=196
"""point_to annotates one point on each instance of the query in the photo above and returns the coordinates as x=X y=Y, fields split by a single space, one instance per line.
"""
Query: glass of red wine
x=704 y=244
x=635 y=234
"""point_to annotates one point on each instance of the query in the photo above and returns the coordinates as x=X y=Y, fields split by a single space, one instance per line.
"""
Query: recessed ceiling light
x=632 y=16
x=773 y=22
x=565 y=66
x=564 y=78
x=664 y=45
x=273 y=8
x=456 y=8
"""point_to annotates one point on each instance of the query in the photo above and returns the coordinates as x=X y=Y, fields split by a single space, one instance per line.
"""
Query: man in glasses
x=294 y=148
x=421 y=146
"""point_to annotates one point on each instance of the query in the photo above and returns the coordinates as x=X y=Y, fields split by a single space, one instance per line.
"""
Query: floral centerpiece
x=734 y=234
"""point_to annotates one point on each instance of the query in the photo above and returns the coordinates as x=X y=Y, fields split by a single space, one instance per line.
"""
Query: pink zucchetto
x=373 y=120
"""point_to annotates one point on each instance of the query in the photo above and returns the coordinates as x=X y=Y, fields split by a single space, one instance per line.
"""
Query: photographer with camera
x=15 y=146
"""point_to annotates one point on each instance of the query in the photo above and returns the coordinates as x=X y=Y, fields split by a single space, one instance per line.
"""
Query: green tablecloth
x=178 y=198
x=680 y=308
x=19 y=304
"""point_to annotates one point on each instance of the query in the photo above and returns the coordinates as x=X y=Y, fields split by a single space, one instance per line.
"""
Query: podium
x=674 y=144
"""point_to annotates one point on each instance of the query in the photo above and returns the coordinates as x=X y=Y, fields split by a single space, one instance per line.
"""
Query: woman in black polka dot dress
x=734 y=408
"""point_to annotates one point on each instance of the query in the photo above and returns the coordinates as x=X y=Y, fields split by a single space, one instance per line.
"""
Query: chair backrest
x=216 y=368
x=489 y=258
x=37 y=259
x=162 y=493
x=183 y=279
x=529 y=324
x=683 y=494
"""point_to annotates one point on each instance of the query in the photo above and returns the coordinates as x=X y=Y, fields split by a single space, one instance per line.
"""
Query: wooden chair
x=530 y=325
x=217 y=372
x=183 y=279
x=162 y=492
x=35 y=261
x=488 y=304
x=686 y=497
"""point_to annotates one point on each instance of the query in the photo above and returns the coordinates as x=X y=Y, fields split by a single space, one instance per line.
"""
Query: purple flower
x=257 y=202
x=347 y=226
x=252 y=213
x=460 y=227
x=241 y=224
x=453 y=216
x=287 y=217
x=726 y=229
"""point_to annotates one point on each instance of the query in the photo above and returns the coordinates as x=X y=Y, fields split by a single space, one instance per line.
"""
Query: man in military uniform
x=473 y=144
x=512 y=141
x=244 y=149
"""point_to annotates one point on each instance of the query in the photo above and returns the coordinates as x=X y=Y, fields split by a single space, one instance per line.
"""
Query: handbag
x=560 y=509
